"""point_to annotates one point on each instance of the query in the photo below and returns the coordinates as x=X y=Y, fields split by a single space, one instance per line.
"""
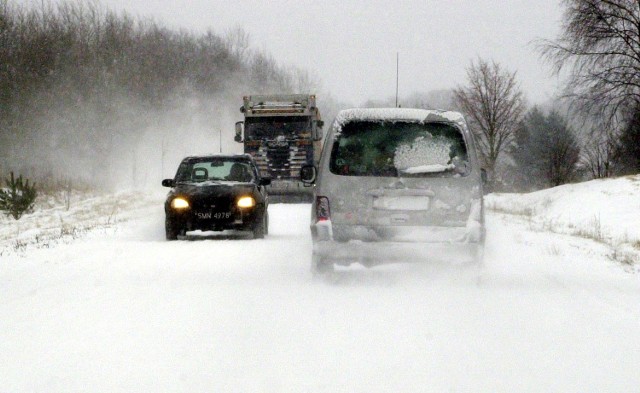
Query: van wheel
x=478 y=262
x=320 y=267
x=478 y=257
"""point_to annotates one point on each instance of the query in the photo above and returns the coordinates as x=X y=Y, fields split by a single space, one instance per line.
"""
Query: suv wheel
x=261 y=228
x=170 y=229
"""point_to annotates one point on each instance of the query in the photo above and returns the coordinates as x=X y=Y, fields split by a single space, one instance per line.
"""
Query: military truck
x=282 y=133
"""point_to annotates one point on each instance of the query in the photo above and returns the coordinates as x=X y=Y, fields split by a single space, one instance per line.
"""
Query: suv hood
x=213 y=189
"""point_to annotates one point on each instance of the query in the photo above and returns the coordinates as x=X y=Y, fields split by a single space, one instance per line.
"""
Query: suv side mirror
x=239 y=131
x=265 y=181
x=308 y=174
x=168 y=183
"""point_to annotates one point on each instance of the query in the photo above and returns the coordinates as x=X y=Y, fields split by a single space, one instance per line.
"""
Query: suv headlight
x=246 y=201
x=179 y=203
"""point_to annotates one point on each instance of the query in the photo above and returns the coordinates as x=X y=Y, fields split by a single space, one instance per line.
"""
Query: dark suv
x=216 y=193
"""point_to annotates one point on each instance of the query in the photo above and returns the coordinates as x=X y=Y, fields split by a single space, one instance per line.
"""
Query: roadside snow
x=606 y=211
x=119 y=309
x=64 y=217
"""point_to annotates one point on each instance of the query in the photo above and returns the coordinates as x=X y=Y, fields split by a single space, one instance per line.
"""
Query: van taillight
x=323 y=213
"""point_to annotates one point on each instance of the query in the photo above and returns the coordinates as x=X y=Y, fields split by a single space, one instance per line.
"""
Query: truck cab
x=282 y=133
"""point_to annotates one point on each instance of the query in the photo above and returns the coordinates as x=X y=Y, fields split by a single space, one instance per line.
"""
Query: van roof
x=398 y=114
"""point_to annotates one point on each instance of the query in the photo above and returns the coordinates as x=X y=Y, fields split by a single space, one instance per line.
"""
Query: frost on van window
x=426 y=154
x=396 y=148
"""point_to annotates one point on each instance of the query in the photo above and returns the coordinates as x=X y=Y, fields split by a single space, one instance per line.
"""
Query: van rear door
x=395 y=174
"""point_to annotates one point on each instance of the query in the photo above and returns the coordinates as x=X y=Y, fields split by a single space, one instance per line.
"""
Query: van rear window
x=399 y=149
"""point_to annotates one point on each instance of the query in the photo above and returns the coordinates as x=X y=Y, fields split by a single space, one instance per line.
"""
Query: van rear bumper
x=374 y=253
x=405 y=244
x=472 y=232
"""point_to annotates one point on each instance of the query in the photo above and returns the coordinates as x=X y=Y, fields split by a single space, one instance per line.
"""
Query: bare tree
x=628 y=145
x=81 y=85
x=561 y=157
x=494 y=105
x=598 y=153
x=547 y=151
x=600 y=48
x=525 y=151
x=238 y=42
x=303 y=81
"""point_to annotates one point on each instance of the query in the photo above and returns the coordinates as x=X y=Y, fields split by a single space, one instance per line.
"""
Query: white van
x=396 y=185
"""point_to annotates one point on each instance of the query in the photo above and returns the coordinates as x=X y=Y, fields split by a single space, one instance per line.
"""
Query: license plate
x=405 y=202
x=214 y=215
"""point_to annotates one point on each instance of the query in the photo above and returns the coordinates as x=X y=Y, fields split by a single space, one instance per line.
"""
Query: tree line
x=91 y=94
x=84 y=89
x=592 y=129
x=597 y=136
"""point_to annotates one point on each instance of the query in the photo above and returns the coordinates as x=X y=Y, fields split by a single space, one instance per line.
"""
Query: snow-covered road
x=126 y=311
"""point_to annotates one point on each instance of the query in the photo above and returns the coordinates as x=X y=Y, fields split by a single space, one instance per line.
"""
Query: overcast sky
x=351 y=45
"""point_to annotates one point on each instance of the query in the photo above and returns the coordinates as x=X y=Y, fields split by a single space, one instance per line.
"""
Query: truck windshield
x=259 y=128
x=399 y=149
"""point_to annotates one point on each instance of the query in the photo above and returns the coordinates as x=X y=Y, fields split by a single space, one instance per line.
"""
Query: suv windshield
x=399 y=149
x=215 y=169
x=257 y=128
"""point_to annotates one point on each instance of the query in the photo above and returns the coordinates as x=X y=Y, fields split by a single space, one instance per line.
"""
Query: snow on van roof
x=217 y=155
x=401 y=114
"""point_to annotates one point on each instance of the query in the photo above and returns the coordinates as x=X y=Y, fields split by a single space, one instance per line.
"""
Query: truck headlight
x=179 y=203
x=246 y=201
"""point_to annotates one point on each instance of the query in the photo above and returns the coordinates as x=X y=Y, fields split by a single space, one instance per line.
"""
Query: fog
x=130 y=146
x=93 y=97
x=352 y=45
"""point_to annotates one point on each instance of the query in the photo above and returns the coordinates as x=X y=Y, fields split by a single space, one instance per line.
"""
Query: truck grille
x=281 y=161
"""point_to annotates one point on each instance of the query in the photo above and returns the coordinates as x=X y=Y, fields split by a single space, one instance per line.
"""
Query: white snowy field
x=116 y=308
x=607 y=211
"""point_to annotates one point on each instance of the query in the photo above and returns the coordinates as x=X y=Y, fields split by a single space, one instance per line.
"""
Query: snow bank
x=66 y=216
x=398 y=114
x=126 y=311
x=606 y=211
